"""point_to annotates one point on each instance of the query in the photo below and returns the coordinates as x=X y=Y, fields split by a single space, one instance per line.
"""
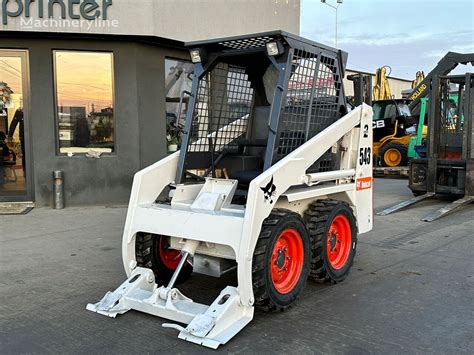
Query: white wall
x=177 y=19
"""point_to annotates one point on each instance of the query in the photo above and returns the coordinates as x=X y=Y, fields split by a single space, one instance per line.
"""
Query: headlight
x=195 y=56
x=274 y=48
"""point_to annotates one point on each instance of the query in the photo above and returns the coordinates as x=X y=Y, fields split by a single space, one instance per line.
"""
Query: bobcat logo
x=269 y=191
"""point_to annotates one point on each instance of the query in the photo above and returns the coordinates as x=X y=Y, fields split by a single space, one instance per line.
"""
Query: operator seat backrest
x=259 y=128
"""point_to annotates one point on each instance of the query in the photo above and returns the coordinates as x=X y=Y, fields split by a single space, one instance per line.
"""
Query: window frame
x=177 y=59
x=55 y=94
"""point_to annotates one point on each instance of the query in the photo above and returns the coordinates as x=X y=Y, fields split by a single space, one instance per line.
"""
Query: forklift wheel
x=333 y=231
x=153 y=252
x=280 y=261
x=394 y=154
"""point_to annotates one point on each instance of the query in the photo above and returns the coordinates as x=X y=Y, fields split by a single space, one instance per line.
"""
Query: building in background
x=93 y=88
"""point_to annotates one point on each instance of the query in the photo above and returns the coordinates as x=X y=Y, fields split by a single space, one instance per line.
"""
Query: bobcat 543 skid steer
x=278 y=189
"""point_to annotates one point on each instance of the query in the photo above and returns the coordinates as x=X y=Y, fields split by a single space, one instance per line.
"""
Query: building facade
x=93 y=88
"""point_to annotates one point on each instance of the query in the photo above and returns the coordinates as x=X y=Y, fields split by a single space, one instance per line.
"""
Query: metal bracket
x=207 y=325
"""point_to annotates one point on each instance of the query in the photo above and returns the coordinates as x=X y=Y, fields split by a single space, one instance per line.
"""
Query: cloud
x=463 y=48
x=372 y=39
x=390 y=39
x=377 y=33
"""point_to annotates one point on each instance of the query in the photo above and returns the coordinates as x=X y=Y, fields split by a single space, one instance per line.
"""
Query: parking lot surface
x=411 y=289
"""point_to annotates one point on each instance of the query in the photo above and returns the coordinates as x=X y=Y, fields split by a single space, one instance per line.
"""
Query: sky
x=407 y=35
x=83 y=79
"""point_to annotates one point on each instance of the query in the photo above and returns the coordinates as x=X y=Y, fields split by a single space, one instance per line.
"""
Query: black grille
x=222 y=108
x=311 y=102
x=246 y=43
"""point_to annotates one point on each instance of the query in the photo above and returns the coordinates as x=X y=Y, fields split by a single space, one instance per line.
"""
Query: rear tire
x=152 y=252
x=394 y=154
x=333 y=230
x=281 y=261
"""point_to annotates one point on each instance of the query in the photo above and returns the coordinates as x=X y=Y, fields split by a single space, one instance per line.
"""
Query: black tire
x=402 y=150
x=278 y=223
x=319 y=218
x=147 y=254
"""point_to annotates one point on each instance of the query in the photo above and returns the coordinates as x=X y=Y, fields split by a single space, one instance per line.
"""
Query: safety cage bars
x=222 y=108
x=313 y=99
x=312 y=103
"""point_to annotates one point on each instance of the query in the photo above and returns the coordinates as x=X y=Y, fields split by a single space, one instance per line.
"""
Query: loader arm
x=288 y=172
x=147 y=185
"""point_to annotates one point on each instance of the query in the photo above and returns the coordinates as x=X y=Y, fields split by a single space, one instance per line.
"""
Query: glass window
x=404 y=109
x=384 y=110
x=13 y=140
x=85 y=102
x=390 y=111
x=178 y=81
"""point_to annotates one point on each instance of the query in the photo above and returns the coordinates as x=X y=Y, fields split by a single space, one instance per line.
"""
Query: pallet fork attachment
x=404 y=204
x=450 y=208
x=432 y=216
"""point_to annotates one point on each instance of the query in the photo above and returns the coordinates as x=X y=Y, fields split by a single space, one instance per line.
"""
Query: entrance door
x=15 y=162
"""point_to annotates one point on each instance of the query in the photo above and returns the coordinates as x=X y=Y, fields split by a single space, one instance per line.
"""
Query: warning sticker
x=364 y=183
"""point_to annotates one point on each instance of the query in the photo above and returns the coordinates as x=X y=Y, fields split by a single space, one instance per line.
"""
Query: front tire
x=394 y=154
x=333 y=230
x=153 y=252
x=281 y=261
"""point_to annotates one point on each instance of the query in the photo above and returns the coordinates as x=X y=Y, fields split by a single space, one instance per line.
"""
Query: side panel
x=147 y=185
x=364 y=180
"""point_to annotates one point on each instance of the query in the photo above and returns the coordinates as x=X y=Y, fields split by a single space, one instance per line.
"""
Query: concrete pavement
x=410 y=289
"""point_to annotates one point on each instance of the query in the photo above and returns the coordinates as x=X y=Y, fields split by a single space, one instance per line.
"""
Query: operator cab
x=386 y=113
x=255 y=100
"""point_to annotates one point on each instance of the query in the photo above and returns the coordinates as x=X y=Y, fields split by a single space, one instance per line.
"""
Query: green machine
x=417 y=140
x=416 y=146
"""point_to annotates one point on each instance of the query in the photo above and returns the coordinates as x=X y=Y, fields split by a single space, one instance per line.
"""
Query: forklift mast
x=450 y=61
x=362 y=88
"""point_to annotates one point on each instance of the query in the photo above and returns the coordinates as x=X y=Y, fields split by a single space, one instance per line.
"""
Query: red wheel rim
x=287 y=260
x=169 y=257
x=339 y=241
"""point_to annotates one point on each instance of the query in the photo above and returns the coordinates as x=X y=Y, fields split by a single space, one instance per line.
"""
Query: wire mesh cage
x=251 y=108
x=222 y=108
x=311 y=103
x=246 y=43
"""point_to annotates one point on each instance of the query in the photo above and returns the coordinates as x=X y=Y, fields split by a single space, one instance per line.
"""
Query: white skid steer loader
x=273 y=179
